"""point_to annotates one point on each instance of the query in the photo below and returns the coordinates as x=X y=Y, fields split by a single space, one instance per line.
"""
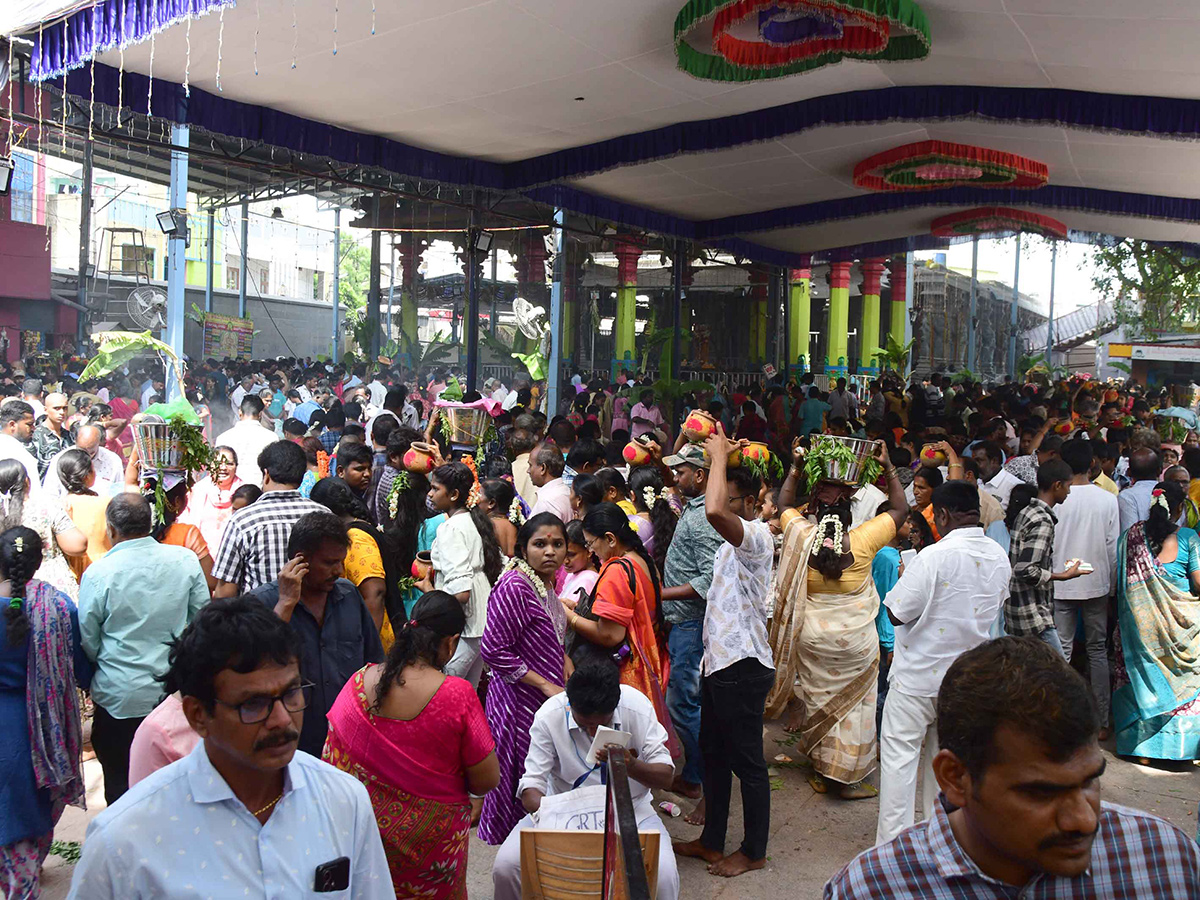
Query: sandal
x=818 y=783
x=860 y=790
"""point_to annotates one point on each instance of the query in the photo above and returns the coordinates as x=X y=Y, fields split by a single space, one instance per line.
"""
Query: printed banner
x=227 y=336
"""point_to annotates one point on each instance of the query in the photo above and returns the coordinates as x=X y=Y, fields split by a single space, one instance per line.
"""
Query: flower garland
x=322 y=464
x=476 y=492
x=649 y=497
x=516 y=514
x=833 y=542
x=997 y=220
x=519 y=565
x=399 y=483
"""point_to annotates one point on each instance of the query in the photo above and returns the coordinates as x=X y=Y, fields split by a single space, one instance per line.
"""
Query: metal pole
x=245 y=259
x=208 y=255
x=375 y=292
x=785 y=293
x=85 y=243
x=1012 y=321
x=471 y=313
x=556 y=304
x=391 y=286
x=337 y=279
x=677 y=265
x=177 y=256
x=495 y=261
x=974 y=300
x=910 y=277
x=1050 y=320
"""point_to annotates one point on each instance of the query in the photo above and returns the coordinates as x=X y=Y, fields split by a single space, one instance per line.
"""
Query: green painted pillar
x=410 y=247
x=899 y=304
x=759 y=315
x=801 y=316
x=839 y=318
x=625 y=330
x=872 y=278
x=567 y=341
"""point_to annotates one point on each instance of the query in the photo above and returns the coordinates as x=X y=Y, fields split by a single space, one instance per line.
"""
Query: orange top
x=181 y=535
x=638 y=612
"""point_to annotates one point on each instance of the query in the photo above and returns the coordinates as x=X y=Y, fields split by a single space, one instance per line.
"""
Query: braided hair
x=457 y=477
x=643 y=481
x=435 y=616
x=13 y=480
x=1168 y=497
x=832 y=519
x=20 y=556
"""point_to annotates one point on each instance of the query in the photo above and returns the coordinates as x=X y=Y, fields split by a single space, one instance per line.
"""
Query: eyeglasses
x=259 y=709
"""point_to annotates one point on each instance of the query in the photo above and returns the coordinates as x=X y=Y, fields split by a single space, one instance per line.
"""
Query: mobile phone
x=332 y=876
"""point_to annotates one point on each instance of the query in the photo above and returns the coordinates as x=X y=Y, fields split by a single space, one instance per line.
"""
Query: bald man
x=50 y=437
x=109 y=468
x=1134 y=501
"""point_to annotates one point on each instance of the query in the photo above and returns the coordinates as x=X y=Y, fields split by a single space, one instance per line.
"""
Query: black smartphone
x=332 y=876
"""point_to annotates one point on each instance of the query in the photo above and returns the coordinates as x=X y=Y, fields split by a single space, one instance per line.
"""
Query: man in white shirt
x=842 y=403
x=275 y=822
x=943 y=605
x=737 y=669
x=16 y=429
x=864 y=504
x=546 y=466
x=31 y=393
x=561 y=735
x=248 y=438
x=1088 y=528
x=239 y=394
x=156 y=388
x=997 y=480
x=108 y=466
x=377 y=391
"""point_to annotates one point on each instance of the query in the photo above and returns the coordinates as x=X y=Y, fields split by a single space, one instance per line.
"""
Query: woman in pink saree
x=419 y=742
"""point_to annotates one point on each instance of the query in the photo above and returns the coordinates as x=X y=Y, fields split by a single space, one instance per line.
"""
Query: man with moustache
x=243 y=814
x=1019 y=813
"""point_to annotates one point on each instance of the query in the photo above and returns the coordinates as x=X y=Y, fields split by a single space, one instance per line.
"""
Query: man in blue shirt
x=134 y=600
x=272 y=822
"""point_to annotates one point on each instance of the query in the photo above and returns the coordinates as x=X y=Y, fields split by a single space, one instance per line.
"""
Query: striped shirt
x=1134 y=855
x=254 y=545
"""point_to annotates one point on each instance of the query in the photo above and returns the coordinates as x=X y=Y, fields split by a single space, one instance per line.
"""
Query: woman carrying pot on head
x=823 y=631
x=466 y=559
x=523 y=647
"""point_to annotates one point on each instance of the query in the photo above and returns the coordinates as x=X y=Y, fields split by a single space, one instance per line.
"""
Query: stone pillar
x=872 y=278
x=899 y=277
x=572 y=278
x=759 y=314
x=410 y=247
x=801 y=318
x=624 y=328
x=839 y=318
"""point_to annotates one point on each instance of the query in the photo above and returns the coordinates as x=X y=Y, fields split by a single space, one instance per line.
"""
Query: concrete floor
x=812 y=836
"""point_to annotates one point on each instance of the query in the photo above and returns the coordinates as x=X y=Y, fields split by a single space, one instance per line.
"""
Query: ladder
x=118 y=263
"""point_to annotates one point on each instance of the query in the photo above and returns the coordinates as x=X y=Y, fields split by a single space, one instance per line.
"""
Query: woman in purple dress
x=523 y=645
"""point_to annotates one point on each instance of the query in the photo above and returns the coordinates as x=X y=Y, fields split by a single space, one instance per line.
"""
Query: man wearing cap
x=687 y=576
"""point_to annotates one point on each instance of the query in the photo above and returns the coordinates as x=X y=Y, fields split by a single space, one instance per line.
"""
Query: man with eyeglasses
x=243 y=814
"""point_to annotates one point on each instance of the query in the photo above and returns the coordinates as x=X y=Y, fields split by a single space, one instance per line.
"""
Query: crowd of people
x=349 y=640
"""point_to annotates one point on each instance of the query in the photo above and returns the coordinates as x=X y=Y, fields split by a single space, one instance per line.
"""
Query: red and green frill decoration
x=928 y=165
x=997 y=220
x=754 y=40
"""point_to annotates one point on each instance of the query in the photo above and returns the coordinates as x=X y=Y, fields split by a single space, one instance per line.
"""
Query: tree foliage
x=1153 y=287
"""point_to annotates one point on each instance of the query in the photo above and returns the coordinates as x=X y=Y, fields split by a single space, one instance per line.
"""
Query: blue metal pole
x=212 y=242
x=337 y=278
x=245 y=259
x=556 y=302
x=177 y=255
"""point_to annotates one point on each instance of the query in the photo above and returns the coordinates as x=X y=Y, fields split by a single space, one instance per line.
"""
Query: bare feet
x=817 y=783
x=686 y=788
x=696 y=816
x=696 y=850
x=735 y=864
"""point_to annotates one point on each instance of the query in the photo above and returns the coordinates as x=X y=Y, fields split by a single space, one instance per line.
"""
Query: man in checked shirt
x=1029 y=609
x=1019 y=814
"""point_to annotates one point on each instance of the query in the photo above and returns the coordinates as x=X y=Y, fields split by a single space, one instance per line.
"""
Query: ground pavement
x=812 y=836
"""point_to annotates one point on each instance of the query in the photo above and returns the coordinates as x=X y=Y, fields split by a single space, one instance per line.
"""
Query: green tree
x=354 y=269
x=1153 y=287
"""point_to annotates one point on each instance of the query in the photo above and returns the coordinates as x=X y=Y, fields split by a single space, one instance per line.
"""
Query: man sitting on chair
x=559 y=740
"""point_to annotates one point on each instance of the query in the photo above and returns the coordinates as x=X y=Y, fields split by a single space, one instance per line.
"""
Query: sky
x=1073 y=280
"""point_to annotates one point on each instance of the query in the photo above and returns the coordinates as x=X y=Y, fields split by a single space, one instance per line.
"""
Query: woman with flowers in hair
x=823 y=631
x=1157 y=672
x=466 y=558
x=655 y=517
x=500 y=502
x=41 y=665
x=523 y=647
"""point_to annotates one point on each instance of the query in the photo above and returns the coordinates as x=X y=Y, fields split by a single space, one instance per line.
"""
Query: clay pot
x=735 y=459
x=422 y=565
x=698 y=426
x=636 y=454
x=1064 y=429
x=419 y=458
x=931 y=456
x=757 y=452
x=1111 y=396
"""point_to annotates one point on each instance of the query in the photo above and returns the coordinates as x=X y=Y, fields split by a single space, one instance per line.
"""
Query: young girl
x=579 y=569
x=466 y=559
x=653 y=516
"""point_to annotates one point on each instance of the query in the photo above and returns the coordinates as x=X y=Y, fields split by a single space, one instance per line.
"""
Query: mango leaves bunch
x=828 y=453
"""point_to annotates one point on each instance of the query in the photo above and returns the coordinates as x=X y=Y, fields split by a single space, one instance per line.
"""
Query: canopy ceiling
x=582 y=104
